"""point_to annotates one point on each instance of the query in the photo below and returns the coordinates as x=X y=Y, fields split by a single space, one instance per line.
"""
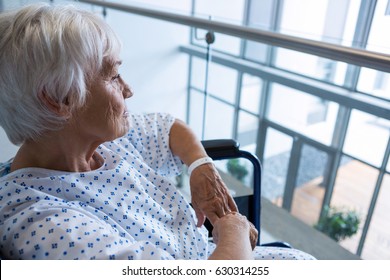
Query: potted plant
x=236 y=169
x=338 y=224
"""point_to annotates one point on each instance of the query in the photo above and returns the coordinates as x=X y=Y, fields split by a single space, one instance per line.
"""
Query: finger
x=254 y=235
x=200 y=217
x=232 y=204
x=213 y=218
x=218 y=207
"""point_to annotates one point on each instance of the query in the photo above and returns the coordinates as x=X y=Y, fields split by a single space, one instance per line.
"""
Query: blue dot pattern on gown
x=127 y=209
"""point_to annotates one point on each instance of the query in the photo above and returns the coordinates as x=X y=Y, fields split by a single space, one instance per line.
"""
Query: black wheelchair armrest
x=221 y=148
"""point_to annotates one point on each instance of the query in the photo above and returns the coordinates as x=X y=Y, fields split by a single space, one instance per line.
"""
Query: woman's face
x=104 y=116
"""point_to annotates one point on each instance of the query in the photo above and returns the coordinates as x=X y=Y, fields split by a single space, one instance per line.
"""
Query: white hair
x=53 y=50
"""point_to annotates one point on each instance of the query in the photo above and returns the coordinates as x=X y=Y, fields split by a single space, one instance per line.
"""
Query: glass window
x=303 y=113
x=311 y=66
x=198 y=73
x=166 y=5
x=196 y=112
x=327 y=18
x=275 y=165
x=353 y=190
x=260 y=16
x=219 y=117
x=222 y=82
x=374 y=83
x=218 y=10
x=367 y=137
x=309 y=191
x=377 y=245
x=250 y=93
x=247 y=129
x=302 y=63
x=227 y=44
x=256 y=51
x=378 y=39
x=219 y=120
x=371 y=81
x=331 y=21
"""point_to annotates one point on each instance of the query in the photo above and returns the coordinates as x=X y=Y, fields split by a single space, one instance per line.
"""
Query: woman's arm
x=210 y=196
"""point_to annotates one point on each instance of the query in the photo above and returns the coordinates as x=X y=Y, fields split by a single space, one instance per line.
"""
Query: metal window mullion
x=237 y=105
x=337 y=140
x=335 y=158
x=188 y=113
x=374 y=199
x=192 y=29
x=360 y=39
x=263 y=111
x=275 y=26
x=191 y=39
x=243 y=44
x=239 y=80
x=292 y=173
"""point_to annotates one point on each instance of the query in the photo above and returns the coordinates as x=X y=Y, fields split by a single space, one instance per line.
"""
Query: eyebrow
x=118 y=62
x=109 y=66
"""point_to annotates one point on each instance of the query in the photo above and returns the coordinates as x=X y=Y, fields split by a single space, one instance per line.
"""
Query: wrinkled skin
x=211 y=198
x=231 y=225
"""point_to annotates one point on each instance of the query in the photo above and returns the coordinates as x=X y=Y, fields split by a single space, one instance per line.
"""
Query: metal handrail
x=350 y=55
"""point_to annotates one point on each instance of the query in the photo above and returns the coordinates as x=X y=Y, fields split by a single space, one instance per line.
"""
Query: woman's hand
x=231 y=234
x=210 y=196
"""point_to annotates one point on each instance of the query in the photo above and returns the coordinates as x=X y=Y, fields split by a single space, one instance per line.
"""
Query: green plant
x=338 y=224
x=236 y=169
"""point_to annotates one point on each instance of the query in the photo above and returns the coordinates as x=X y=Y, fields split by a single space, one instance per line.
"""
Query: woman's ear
x=60 y=109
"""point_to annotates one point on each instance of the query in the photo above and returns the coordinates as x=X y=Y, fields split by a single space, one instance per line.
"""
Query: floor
x=351 y=191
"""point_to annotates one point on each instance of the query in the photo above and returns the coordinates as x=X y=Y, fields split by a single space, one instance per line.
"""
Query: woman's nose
x=126 y=90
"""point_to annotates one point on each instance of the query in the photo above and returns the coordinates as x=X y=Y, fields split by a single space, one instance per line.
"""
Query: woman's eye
x=116 y=77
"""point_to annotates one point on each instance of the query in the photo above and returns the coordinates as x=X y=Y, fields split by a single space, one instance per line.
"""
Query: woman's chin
x=123 y=128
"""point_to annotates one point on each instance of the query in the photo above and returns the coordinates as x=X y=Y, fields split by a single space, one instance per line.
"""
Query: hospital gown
x=126 y=209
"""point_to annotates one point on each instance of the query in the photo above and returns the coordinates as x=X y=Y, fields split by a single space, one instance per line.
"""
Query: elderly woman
x=90 y=179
